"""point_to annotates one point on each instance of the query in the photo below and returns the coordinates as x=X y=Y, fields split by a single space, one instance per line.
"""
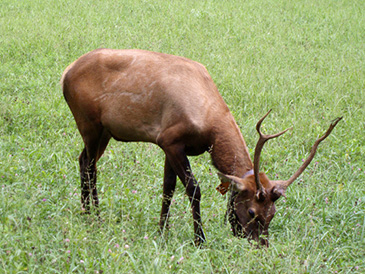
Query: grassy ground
x=304 y=59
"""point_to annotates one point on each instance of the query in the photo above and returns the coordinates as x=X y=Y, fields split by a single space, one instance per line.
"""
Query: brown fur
x=137 y=95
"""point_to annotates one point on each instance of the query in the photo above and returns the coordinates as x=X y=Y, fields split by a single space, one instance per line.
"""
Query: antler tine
x=283 y=185
x=260 y=144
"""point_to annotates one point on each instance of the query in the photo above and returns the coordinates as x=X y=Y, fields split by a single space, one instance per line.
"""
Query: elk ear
x=276 y=193
x=227 y=180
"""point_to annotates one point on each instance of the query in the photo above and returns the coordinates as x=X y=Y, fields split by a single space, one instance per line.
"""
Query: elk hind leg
x=94 y=148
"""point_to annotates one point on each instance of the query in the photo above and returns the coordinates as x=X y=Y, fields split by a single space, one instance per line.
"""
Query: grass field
x=303 y=59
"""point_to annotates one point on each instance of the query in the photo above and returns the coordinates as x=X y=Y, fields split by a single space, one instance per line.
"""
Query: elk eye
x=251 y=212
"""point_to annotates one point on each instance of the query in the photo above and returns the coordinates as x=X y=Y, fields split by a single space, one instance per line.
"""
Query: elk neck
x=229 y=151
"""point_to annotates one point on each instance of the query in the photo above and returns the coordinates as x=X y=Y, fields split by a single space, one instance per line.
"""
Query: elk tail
x=65 y=72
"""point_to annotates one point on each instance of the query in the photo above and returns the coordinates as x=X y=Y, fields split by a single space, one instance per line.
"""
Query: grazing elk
x=137 y=95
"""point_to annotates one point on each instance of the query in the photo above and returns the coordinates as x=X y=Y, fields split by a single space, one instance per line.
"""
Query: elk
x=171 y=101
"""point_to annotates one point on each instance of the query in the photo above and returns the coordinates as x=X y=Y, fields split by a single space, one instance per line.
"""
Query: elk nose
x=251 y=212
x=264 y=242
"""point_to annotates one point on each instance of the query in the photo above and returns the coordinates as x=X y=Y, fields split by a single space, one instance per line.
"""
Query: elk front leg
x=180 y=164
x=193 y=192
x=169 y=184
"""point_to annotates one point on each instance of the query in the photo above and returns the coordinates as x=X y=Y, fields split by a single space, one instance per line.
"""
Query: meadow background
x=303 y=59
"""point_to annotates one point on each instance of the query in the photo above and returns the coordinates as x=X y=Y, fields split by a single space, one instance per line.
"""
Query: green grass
x=303 y=59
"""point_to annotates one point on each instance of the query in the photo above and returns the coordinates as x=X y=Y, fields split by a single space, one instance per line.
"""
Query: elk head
x=251 y=205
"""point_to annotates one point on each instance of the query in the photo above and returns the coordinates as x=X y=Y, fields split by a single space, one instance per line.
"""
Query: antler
x=281 y=186
x=260 y=144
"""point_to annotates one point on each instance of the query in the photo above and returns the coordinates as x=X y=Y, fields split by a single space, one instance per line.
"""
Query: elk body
x=136 y=95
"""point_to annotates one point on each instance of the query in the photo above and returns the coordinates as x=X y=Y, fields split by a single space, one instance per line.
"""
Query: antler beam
x=260 y=144
x=281 y=186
